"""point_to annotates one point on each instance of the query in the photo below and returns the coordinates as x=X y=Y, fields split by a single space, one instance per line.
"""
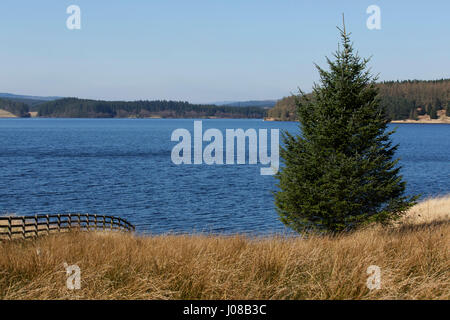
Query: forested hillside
x=81 y=108
x=17 y=108
x=409 y=99
x=403 y=100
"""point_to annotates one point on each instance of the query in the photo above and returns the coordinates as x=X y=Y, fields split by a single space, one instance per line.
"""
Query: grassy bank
x=6 y=114
x=413 y=257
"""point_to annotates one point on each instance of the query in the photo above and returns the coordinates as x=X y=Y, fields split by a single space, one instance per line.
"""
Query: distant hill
x=403 y=100
x=83 y=108
x=31 y=101
x=250 y=103
x=17 y=108
x=11 y=96
x=410 y=99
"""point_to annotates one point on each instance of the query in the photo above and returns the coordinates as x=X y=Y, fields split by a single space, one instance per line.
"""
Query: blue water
x=123 y=167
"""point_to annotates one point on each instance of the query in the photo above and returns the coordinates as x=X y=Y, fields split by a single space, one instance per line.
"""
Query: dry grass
x=6 y=114
x=428 y=211
x=414 y=261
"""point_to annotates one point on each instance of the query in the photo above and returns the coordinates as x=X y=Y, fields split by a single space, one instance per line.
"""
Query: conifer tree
x=433 y=113
x=339 y=172
x=413 y=114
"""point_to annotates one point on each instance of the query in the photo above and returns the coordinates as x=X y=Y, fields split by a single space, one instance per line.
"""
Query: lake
x=123 y=167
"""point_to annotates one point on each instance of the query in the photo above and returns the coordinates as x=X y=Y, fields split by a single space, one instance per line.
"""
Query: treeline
x=17 y=108
x=81 y=108
x=284 y=110
x=403 y=100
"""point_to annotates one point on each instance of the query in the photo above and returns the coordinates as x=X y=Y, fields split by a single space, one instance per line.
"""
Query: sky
x=209 y=50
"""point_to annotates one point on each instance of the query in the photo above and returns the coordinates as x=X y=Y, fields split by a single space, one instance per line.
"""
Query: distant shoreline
x=409 y=121
x=434 y=121
x=7 y=115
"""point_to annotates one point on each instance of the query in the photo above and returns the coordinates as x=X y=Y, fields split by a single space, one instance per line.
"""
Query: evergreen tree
x=433 y=113
x=447 y=112
x=438 y=104
x=339 y=173
x=413 y=115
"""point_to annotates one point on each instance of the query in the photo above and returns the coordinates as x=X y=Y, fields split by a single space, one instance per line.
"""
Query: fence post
x=47 y=223
x=9 y=228
x=59 y=222
x=36 y=229
x=95 y=220
x=104 y=222
x=79 y=222
x=23 y=227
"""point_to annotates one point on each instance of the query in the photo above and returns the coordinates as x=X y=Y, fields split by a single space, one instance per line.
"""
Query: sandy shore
x=6 y=114
x=430 y=121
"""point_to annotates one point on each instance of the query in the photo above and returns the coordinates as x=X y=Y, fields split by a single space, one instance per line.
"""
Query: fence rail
x=13 y=227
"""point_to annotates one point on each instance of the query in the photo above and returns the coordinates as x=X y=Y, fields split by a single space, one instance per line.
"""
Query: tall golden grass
x=431 y=210
x=413 y=257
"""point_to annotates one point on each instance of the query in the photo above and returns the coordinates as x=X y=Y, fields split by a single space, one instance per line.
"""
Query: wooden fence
x=31 y=226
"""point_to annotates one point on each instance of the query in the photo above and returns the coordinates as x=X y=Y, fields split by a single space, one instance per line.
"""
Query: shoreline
x=409 y=121
x=135 y=118
x=434 y=121
x=6 y=114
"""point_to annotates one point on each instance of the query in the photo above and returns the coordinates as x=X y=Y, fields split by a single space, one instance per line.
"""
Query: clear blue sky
x=209 y=50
